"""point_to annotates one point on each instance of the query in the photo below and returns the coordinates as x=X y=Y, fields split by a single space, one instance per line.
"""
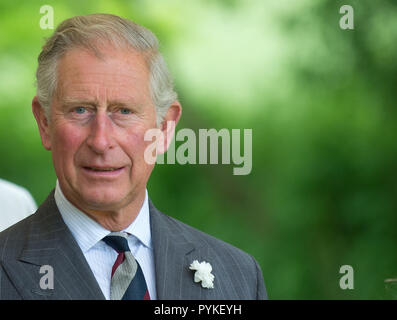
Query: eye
x=80 y=110
x=125 y=111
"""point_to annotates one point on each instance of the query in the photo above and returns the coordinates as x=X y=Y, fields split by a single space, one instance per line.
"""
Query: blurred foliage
x=319 y=99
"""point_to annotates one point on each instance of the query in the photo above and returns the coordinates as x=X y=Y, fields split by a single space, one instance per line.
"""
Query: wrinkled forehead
x=81 y=74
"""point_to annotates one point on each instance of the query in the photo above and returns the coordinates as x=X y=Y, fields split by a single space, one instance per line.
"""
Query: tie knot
x=118 y=241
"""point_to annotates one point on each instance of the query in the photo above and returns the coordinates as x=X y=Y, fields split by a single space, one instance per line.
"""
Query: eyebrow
x=95 y=102
x=69 y=100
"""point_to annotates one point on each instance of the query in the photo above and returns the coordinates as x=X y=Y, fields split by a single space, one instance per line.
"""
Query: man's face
x=99 y=115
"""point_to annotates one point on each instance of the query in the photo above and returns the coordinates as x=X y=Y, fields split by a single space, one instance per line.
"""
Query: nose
x=100 y=138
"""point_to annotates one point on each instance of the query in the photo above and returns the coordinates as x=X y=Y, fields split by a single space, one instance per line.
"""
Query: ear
x=168 y=126
x=42 y=123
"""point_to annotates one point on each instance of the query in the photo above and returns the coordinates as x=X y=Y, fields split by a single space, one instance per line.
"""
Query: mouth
x=103 y=171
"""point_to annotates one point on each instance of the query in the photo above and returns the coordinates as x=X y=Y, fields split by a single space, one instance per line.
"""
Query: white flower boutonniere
x=203 y=273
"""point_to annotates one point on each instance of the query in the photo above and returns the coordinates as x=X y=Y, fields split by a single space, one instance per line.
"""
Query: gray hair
x=94 y=30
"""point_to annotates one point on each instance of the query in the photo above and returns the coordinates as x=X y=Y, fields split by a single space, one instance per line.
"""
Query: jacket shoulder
x=13 y=238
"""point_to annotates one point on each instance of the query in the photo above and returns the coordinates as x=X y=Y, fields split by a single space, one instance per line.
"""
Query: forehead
x=117 y=74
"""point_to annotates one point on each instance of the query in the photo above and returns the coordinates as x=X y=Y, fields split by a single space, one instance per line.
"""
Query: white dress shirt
x=101 y=257
x=16 y=203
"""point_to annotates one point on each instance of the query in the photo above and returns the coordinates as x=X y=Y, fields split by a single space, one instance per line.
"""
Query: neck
x=117 y=220
x=111 y=218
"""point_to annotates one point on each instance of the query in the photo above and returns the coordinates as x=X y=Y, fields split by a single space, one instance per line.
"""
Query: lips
x=102 y=170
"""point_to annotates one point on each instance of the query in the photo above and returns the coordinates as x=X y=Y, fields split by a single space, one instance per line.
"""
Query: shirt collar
x=88 y=232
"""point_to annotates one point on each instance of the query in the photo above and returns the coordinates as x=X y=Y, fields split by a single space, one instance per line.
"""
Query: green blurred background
x=320 y=101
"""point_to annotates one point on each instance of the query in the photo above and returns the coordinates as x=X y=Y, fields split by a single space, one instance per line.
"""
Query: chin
x=103 y=201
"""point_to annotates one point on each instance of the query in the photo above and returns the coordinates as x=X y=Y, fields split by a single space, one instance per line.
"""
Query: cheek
x=66 y=142
x=135 y=145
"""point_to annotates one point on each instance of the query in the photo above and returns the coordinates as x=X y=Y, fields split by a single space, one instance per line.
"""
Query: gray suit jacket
x=44 y=239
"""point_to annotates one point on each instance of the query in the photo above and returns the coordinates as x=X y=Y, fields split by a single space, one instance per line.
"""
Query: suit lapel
x=170 y=251
x=174 y=251
x=175 y=247
x=50 y=243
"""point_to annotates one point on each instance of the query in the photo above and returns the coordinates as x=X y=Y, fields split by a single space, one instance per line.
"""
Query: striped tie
x=127 y=282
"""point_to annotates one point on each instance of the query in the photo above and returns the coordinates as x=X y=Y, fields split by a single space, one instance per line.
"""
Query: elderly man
x=101 y=84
